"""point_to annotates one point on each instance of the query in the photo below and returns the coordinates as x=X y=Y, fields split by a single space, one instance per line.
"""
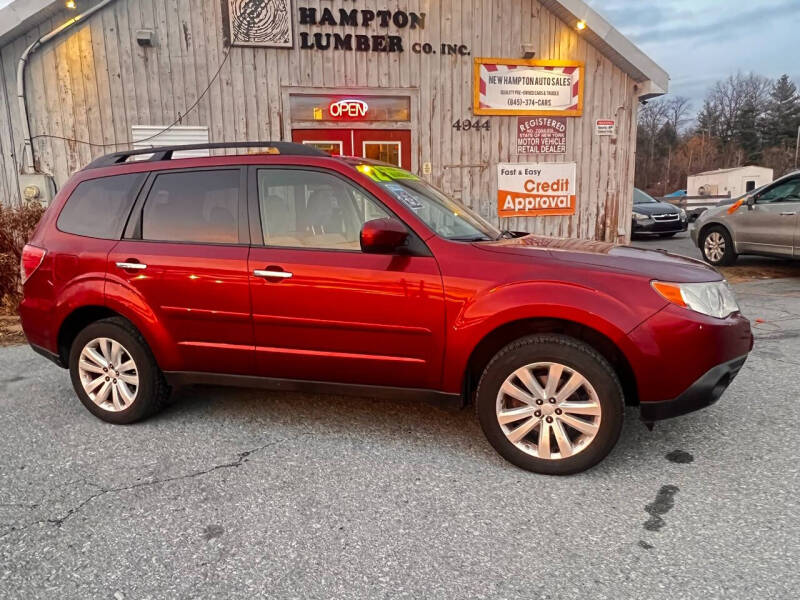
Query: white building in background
x=728 y=182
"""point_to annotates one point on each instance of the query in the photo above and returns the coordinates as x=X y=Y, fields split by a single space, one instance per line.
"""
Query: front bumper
x=702 y=393
x=653 y=226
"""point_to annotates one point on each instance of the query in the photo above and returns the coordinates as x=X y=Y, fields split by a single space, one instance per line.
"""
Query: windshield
x=448 y=218
x=640 y=197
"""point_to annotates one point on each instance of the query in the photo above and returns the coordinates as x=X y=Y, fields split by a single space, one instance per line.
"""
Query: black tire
x=571 y=353
x=153 y=391
x=729 y=255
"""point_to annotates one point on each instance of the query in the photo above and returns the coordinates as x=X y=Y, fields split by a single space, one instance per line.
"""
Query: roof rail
x=165 y=152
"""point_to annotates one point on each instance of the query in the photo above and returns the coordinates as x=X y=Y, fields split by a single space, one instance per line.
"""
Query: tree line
x=746 y=119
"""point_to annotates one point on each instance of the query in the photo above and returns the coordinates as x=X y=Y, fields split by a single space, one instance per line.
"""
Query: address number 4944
x=468 y=125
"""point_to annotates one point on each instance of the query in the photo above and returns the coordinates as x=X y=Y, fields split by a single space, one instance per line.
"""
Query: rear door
x=770 y=225
x=322 y=309
x=185 y=255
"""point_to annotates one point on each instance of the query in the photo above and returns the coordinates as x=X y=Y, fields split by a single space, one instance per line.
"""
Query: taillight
x=32 y=257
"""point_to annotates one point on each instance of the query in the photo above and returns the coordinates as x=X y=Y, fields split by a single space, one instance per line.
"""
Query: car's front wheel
x=717 y=247
x=114 y=372
x=550 y=404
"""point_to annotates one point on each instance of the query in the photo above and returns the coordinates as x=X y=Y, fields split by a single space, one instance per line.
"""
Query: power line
x=155 y=135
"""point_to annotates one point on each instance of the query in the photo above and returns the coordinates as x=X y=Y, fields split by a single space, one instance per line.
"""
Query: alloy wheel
x=108 y=374
x=714 y=246
x=548 y=410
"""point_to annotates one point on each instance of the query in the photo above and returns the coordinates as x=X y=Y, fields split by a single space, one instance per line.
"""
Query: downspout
x=27 y=151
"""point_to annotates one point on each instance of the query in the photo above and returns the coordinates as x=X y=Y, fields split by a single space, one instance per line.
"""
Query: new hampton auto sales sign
x=528 y=87
x=536 y=189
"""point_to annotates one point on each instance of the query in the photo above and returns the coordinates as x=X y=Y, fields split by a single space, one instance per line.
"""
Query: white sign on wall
x=536 y=189
x=605 y=127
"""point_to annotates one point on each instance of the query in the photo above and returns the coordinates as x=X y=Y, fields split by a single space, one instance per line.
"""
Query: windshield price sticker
x=536 y=189
x=404 y=196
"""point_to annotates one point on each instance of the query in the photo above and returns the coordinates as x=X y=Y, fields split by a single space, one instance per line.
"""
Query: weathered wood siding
x=95 y=82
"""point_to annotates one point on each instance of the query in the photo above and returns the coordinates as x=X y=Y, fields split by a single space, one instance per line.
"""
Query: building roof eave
x=652 y=79
x=20 y=16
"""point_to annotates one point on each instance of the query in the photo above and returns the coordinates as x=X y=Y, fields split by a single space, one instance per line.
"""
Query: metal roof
x=21 y=15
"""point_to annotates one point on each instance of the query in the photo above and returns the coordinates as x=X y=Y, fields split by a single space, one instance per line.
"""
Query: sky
x=699 y=42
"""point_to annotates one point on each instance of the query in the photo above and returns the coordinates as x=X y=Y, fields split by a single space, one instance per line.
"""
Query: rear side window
x=197 y=206
x=98 y=208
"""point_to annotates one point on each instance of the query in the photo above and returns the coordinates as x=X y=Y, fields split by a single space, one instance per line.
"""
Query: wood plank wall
x=94 y=83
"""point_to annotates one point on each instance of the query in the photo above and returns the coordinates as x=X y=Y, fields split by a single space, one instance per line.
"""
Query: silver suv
x=767 y=222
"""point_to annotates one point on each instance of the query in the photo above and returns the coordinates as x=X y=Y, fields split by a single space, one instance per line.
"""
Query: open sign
x=348 y=109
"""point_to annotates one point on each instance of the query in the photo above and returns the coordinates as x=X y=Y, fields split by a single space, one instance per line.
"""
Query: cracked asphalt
x=242 y=494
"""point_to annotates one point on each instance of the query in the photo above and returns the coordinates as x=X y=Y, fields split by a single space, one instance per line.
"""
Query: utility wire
x=167 y=128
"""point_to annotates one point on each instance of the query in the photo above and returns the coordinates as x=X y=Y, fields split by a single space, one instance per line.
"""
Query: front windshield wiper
x=505 y=234
x=471 y=238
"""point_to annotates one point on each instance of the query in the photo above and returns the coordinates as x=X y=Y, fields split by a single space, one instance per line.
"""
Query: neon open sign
x=348 y=109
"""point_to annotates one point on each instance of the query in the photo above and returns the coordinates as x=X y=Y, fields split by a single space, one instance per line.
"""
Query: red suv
x=290 y=269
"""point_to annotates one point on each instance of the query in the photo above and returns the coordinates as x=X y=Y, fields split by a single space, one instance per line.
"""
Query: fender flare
x=559 y=301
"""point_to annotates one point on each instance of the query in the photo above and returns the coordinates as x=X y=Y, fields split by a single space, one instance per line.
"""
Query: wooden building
x=415 y=82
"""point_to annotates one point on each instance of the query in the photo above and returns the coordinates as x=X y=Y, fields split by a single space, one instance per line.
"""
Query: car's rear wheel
x=717 y=247
x=550 y=404
x=115 y=374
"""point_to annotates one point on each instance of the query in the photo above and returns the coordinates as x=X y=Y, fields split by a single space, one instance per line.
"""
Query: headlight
x=640 y=217
x=714 y=298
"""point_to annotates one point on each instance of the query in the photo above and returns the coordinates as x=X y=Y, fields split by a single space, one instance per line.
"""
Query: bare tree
x=677 y=112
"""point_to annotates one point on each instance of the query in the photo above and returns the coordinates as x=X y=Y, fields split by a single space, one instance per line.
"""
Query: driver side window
x=311 y=209
x=788 y=191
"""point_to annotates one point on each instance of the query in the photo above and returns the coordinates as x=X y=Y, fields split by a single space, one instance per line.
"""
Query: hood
x=647 y=263
x=656 y=208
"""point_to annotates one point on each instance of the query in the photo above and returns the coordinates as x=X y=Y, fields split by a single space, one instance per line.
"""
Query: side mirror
x=751 y=200
x=383 y=236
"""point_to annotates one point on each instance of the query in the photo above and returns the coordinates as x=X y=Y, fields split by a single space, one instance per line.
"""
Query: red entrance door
x=391 y=146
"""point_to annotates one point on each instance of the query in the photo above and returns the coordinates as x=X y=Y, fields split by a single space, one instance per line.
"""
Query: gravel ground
x=238 y=494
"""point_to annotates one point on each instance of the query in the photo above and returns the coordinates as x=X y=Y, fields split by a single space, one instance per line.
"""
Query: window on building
x=193 y=206
x=310 y=209
x=98 y=208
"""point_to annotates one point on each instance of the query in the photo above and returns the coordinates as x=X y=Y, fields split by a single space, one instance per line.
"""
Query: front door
x=322 y=309
x=391 y=146
x=770 y=224
x=185 y=254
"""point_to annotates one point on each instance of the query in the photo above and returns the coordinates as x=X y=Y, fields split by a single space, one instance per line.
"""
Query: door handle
x=131 y=266
x=273 y=274
x=788 y=214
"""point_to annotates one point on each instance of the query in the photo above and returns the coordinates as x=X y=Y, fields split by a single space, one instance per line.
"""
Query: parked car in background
x=651 y=217
x=765 y=221
x=290 y=269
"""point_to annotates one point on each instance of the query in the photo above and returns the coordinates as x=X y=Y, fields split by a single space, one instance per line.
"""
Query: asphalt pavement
x=243 y=494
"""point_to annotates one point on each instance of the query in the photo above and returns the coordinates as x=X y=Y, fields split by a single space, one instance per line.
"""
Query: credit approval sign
x=536 y=189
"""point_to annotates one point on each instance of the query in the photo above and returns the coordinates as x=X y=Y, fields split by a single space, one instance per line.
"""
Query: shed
x=454 y=91
x=732 y=182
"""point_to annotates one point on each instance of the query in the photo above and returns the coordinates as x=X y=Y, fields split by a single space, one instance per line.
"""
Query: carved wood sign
x=269 y=23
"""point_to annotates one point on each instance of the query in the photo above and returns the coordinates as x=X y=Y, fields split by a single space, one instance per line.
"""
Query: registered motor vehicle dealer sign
x=536 y=189
x=541 y=135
